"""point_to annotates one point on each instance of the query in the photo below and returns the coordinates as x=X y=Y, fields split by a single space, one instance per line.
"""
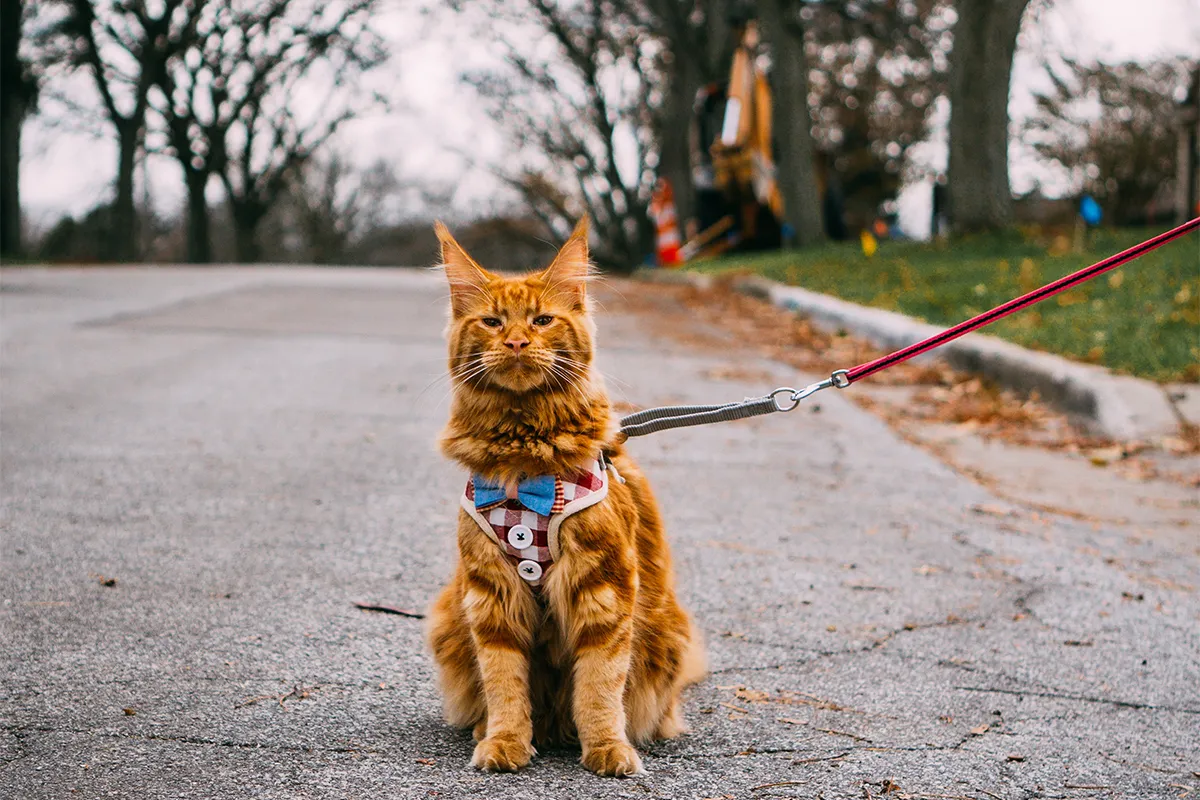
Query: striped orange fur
x=601 y=654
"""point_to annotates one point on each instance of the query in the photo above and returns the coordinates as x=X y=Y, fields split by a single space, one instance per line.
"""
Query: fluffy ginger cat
x=560 y=623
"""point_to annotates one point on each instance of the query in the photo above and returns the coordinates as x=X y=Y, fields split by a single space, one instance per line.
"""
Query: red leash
x=1015 y=305
x=785 y=399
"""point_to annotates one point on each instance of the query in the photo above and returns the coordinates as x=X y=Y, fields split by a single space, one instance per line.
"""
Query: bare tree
x=327 y=200
x=1113 y=129
x=876 y=68
x=124 y=46
x=263 y=87
x=570 y=111
x=985 y=42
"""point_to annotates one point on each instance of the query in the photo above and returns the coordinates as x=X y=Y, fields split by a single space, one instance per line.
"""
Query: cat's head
x=520 y=333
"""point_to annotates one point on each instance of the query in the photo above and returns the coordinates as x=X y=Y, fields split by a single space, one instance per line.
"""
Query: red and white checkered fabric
x=503 y=515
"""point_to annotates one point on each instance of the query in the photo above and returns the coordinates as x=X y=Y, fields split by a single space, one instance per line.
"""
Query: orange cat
x=560 y=623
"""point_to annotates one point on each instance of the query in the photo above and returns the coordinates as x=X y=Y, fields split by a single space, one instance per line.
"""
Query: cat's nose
x=516 y=343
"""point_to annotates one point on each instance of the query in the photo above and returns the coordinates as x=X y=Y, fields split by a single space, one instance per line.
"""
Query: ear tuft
x=570 y=269
x=468 y=281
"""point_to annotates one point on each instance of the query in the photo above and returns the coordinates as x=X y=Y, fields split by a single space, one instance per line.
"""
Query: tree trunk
x=985 y=41
x=675 y=159
x=123 y=236
x=199 y=242
x=247 y=215
x=793 y=122
x=12 y=114
x=718 y=52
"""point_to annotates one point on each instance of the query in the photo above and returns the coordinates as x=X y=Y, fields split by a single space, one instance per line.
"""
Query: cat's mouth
x=518 y=371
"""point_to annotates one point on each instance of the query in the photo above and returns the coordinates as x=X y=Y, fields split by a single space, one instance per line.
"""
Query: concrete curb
x=1104 y=404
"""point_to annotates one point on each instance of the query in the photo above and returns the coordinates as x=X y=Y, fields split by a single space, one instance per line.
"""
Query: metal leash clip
x=838 y=379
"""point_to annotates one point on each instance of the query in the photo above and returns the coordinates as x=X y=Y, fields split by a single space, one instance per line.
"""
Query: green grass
x=1143 y=319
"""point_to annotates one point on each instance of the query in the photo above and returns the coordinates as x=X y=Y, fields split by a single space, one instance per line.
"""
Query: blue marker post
x=1090 y=215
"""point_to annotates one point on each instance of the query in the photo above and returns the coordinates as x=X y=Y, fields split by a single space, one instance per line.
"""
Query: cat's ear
x=468 y=280
x=569 y=271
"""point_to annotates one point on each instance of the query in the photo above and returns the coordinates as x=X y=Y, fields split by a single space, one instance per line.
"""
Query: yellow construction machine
x=738 y=204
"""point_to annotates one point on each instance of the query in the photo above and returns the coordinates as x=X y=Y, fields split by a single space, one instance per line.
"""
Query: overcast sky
x=435 y=121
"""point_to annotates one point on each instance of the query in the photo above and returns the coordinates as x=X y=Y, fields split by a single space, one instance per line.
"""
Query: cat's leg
x=500 y=615
x=671 y=724
x=668 y=655
x=598 y=610
x=454 y=652
x=655 y=683
x=692 y=668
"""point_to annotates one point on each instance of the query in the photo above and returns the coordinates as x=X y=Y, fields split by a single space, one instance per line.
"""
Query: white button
x=520 y=537
x=529 y=570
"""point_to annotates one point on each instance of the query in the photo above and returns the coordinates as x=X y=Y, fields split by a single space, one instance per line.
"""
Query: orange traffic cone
x=662 y=211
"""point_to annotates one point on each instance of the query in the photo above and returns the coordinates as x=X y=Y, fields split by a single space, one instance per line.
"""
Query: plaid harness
x=530 y=539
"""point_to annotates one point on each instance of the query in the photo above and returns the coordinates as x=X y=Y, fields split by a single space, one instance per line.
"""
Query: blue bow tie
x=537 y=493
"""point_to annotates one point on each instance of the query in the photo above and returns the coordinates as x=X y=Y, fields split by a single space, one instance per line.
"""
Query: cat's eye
x=544 y=319
x=492 y=322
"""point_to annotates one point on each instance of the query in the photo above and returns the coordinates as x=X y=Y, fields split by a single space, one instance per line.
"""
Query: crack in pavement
x=837 y=753
x=1079 y=698
x=879 y=643
x=21 y=731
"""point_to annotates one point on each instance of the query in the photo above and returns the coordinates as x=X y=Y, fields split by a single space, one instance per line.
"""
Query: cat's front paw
x=615 y=759
x=502 y=754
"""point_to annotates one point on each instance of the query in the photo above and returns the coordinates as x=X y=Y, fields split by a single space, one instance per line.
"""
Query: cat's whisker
x=559 y=382
x=470 y=375
x=444 y=376
x=584 y=368
x=573 y=383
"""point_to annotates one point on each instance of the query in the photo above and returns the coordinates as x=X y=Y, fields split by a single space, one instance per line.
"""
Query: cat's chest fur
x=521 y=443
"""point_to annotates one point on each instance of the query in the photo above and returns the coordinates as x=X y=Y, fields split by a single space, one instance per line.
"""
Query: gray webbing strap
x=653 y=420
x=782 y=399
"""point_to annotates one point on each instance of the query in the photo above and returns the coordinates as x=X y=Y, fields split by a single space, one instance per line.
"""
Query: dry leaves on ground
x=298 y=692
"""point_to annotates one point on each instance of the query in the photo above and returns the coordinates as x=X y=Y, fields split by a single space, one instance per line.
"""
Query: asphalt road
x=246 y=452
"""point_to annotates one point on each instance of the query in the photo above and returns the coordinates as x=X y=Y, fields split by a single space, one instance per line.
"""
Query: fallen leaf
x=1176 y=446
x=429 y=762
x=980 y=730
x=853 y=736
x=993 y=510
x=129 y=712
x=1104 y=456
